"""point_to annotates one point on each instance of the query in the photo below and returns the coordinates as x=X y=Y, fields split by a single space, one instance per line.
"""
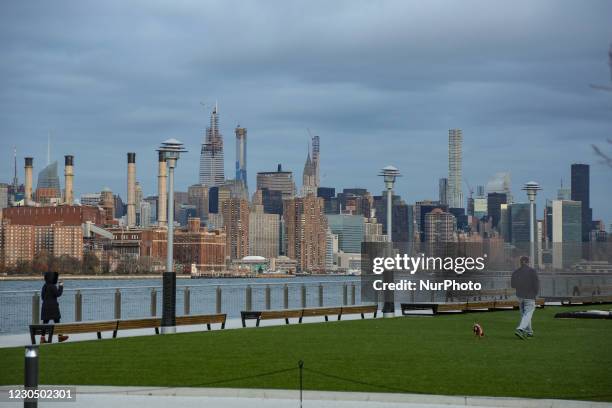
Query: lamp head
x=389 y=173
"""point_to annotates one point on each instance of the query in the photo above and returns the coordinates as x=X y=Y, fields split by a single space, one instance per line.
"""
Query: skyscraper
x=494 y=202
x=566 y=233
x=455 y=177
x=278 y=180
x=350 y=231
x=518 y=222
x=443 y=191
x=501 y=183
x=236 y=220
x=309 y=185
x=48 y=185
x=241 y=155
x=316 y=154
x=440 y=226
x=581 y=192
x=212 y=171
x=306 y=232
x=264 y=230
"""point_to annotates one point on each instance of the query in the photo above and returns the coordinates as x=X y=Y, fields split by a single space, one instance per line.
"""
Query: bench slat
x=200 y=319
x=280 y=314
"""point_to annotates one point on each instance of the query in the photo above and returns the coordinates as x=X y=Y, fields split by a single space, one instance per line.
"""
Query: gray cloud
x=379 y=81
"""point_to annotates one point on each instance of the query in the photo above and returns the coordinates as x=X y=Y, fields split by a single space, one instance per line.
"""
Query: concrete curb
x=424 y=399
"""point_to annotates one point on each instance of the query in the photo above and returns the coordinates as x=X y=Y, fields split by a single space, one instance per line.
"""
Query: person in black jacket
x=51 y=290
x=525 y=281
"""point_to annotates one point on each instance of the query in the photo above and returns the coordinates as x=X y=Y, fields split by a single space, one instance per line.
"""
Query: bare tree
x=605 y=157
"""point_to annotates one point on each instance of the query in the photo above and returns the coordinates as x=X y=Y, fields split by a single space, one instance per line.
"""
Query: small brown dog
x=478 y=330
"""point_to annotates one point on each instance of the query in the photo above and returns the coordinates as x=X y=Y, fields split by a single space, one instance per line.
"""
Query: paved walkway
x=16 y=340
x=118 y=397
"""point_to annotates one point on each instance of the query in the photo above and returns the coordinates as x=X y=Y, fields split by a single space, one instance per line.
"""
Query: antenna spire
x=49 y=149
x=15 y=182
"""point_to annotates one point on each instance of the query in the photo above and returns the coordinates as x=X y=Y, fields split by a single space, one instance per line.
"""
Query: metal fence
x=21 y=308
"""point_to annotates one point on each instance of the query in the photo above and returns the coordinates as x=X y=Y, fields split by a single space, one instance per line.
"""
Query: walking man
x=525 y=281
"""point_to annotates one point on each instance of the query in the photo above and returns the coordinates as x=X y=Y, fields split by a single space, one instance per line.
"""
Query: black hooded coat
x=49 y=293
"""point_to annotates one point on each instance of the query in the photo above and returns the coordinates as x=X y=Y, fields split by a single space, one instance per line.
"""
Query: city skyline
x=524 y=89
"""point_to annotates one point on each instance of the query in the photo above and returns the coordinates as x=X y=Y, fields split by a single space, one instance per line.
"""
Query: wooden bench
x=321 y=311
x=142 y=323
x=478 y=295
x=362 y=309
x=436 y=308
x=480 y=305
x=202 y=319
x=72 y=328
x=270 y=315
x=514 y=304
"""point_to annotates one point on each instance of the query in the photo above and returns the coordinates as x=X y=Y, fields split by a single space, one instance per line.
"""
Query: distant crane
x=470 y=189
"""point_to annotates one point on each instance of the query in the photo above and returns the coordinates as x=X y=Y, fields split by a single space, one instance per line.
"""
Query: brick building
x=191 y=246
x=66 y=214
x=306 y=228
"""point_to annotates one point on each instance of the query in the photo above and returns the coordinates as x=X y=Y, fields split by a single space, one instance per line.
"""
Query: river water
x=142 y=297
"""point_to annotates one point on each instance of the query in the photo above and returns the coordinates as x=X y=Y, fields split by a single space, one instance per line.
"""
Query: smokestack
x=131 y=190
x=162 y=193
x=68 y=179
x=28 y=180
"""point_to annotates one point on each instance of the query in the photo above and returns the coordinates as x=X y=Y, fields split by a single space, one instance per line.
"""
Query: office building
x=4 y=195
x=455 y=175
x=440 y=226
x=107 y=202
x=309 y=184
x=316 y=159
x=278 y=180
x=92 y=199
x=264 y=230
x=581 y=192
x=197 y=195
x=494 y=202
x=567 y=233
x=519 y=231
x=192 y=246
x=421 y=209
x=241 y=155
x=212 y=172
x=443 y=191
x=373 y=231
x=306 y=230
x=402 y=217
x=144 y=214
x=500 y=183
x=349 y=229
x=235 y=213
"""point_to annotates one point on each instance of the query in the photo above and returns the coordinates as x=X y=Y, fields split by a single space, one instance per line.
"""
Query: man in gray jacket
x=525 y=281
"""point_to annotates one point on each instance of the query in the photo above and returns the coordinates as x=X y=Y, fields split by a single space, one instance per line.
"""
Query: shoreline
x=90 y=277
x=133 y=277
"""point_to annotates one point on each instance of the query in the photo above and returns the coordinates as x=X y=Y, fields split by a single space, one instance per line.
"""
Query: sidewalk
x=22 y=339
x=97 y=396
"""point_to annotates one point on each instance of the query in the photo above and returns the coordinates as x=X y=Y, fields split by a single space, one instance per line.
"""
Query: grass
x=568 y=359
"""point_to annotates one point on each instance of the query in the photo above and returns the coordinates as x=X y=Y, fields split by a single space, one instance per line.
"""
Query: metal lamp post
x=171 y=150
x=389 y=175
x=531 y=188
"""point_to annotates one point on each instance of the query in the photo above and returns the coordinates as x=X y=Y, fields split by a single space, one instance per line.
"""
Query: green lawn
x=569 y=359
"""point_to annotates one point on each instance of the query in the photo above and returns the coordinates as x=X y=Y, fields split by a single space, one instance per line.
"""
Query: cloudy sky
x=381 y=82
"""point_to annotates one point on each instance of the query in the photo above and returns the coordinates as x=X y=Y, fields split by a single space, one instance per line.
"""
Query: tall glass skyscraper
x=212 y=171
x=455 y=175
x=48 y=178
x=581 y=192
x=241 y=155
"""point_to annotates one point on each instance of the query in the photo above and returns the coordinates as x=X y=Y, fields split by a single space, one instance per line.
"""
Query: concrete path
x=117 y=397
x=22 y=339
